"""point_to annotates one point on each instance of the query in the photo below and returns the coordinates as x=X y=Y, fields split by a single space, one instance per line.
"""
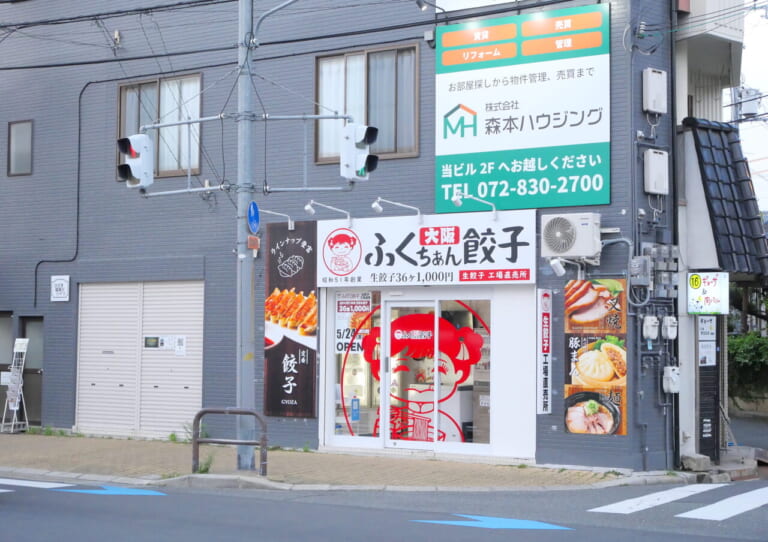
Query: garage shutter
x=171 y=378
x=127 y=388
x=108 y=357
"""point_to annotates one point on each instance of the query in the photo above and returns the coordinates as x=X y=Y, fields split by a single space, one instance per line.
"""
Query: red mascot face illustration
x=413 y=338
x=342 y=252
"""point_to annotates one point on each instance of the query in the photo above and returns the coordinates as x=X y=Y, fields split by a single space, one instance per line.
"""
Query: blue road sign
x=253 y=218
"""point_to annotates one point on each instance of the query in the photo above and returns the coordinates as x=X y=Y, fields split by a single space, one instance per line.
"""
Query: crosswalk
x=719 y=510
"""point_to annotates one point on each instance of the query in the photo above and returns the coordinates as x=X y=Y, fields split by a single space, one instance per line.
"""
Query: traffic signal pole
x=247 y=296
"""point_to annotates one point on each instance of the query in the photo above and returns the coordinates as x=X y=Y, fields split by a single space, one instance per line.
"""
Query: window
x=378 y=88
x=20 y=148
x=163 y=101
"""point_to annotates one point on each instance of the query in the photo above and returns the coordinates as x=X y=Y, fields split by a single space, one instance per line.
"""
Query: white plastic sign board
x=448 y=249
x=708 y=293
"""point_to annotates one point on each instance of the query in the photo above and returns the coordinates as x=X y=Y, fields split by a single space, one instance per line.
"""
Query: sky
x=754 y=134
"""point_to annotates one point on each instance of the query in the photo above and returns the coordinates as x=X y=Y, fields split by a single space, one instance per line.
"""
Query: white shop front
x=428 y=333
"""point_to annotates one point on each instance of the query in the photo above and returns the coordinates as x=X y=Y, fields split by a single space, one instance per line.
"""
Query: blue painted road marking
x=113 y=490
x=486 y=522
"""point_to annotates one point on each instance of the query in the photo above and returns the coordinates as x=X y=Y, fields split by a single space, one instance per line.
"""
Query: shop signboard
x=465 y=248
x=596 y=368
x=290 y=321
x=523 y=110
x=708 y=293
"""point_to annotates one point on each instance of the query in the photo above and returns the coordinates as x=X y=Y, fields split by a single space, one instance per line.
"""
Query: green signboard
x=523 y=110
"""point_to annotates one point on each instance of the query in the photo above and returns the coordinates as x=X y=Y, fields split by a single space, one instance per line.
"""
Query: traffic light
x=355 y=159
x=138 y=169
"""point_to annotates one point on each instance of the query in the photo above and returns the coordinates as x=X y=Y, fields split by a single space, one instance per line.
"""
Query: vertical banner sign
x=544 y=353
x=523 y=110
x=290 y=321
x=596 y=356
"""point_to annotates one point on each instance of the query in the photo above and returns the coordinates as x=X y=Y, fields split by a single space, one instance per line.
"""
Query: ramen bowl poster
x=596 y=357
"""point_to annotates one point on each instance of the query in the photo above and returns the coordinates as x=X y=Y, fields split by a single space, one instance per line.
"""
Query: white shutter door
x=171 y=376
x=108 y=358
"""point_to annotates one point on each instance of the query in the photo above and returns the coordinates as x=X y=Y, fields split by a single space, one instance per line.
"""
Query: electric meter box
x=656 y=171
x=655 y=91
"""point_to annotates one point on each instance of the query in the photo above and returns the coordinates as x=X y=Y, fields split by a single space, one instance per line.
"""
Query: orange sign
x=568 y=23
x=485 y=53
x=572 y=42
x=483 y=34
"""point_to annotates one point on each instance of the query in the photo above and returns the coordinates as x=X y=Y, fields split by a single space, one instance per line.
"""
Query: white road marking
x=730 y=507
x=6 y=491
x=31 y=483
x=630 y=506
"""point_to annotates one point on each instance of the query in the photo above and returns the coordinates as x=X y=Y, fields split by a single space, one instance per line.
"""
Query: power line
x=119 y=13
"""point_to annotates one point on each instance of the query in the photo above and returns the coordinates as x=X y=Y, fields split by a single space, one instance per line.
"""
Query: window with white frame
x=378 y=88
x=20 y=148
x=177 y=148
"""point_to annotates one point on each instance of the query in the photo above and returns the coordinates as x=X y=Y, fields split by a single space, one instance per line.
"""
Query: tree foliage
x=748 y=366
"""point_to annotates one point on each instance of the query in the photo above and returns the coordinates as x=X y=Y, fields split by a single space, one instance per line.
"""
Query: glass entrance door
x=408 y=375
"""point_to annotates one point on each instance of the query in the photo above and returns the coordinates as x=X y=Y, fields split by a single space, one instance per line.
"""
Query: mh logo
x=458 y=120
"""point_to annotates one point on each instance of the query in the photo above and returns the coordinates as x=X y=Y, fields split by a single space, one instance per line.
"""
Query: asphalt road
x=751 y=431
x=95 y=513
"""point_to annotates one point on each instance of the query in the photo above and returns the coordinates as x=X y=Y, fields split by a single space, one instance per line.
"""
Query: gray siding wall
x=70 y=217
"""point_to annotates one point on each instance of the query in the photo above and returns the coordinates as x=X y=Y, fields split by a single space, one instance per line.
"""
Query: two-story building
x=533 y=272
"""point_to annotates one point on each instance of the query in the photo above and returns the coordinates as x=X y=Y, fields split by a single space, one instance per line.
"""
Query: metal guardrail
x=196 y=440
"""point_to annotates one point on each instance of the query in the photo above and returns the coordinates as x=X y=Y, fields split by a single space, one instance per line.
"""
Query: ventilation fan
x=575 y=235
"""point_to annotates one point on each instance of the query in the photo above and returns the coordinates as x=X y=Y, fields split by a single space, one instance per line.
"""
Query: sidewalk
x=149 y=462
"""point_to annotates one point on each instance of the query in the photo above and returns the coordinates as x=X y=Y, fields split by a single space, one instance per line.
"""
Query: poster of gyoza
x=290 y=321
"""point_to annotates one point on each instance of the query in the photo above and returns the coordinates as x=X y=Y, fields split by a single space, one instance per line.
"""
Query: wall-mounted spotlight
x=291 y=225
x=558 y=266
x=459 y=197
x=422 y=5
x=310 y=209
x=376 y=206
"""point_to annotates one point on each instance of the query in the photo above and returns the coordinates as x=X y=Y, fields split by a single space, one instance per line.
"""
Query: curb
x=227 y=481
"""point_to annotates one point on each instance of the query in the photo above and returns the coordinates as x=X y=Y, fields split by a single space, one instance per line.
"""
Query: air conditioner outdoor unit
x=574 y=235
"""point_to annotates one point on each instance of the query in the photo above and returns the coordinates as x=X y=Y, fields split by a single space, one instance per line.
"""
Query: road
x=752 y=431
x=717 y=512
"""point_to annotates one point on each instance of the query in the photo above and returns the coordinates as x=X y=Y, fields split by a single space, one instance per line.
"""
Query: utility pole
x=246 y=344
